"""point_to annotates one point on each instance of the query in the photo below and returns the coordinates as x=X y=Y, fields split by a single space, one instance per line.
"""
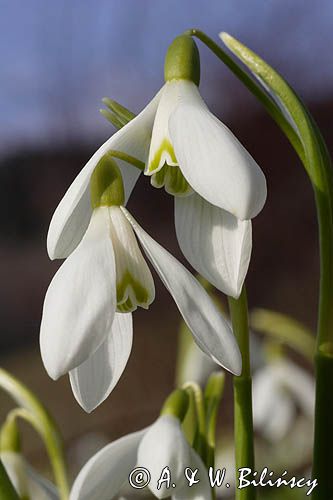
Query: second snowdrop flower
x=86 y=327
x=162 y=445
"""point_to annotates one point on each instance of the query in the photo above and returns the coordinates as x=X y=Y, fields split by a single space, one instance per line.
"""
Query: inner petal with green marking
x=173 y=181
x=164 y=155
x=161 y=151
x=134 y=282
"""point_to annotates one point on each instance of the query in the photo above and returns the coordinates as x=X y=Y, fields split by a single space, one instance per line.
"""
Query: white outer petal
x=199 y=491
x=299 y=384
x=273 y=409
x=212 y=159
x=93 y=381
x=38 y=483
x=214 y=242
x=105 y=473
x=210 y=330
x=164 y=445
x=195 y=366
x=80 y=302
x=71 y=218
x=279 y=424
x=26 y=481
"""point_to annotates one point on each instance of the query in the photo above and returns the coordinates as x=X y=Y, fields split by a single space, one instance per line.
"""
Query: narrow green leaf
x=213 y=395
x=35 y=412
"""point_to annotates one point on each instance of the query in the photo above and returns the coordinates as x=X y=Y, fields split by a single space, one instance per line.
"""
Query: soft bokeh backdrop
x=58 y=59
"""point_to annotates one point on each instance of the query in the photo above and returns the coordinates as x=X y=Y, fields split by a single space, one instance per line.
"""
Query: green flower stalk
x=243 y=417
x=288 y=111
x=298 y=125
x=33 y=411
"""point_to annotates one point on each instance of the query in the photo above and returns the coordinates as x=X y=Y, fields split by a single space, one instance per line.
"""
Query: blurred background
x=58 y=59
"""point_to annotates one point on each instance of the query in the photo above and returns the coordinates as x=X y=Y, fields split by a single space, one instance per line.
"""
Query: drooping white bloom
x=217 y=185
x=86 y=326
x=212 y=160
x=27 y=482
x=159 y=446
x=279 y=389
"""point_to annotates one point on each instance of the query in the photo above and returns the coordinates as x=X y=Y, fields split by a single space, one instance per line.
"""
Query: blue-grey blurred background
x=58 y=59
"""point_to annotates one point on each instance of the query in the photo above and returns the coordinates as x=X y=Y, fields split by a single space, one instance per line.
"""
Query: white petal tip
x=237 y=363
x=237 y=371
x=51 y=253
x=87 y=406
x=53 y=369
x=88 y=409
x=233 y=365
x=232 y=292
x=53 y=374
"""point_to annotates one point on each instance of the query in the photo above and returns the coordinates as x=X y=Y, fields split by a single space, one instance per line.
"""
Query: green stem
x=323 y=442
x=213 y=395
x=196 y=392
x=44 y=425
x=7 y=490
x=200 y=441
x=253 y=87
x=243 y=420
x=317 y=164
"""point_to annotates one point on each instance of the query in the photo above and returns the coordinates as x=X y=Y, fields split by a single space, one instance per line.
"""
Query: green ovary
x=173 y=181
x=165 y=147
x=131 y=294
x=106 y=184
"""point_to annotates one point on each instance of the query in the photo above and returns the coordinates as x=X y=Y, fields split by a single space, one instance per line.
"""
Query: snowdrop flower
x=278 y=389
x=159 y=446
x=217 y=185
x=26 y=481
x=86 y=327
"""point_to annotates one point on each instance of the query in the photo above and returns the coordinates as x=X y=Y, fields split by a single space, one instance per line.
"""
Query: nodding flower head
x=86 y=327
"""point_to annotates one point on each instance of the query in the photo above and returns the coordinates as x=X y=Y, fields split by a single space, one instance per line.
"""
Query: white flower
x=278 y=390
x=25 y=480
x=86 y=326
x=213 y=162
x=159 y=446
x=217 y=185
